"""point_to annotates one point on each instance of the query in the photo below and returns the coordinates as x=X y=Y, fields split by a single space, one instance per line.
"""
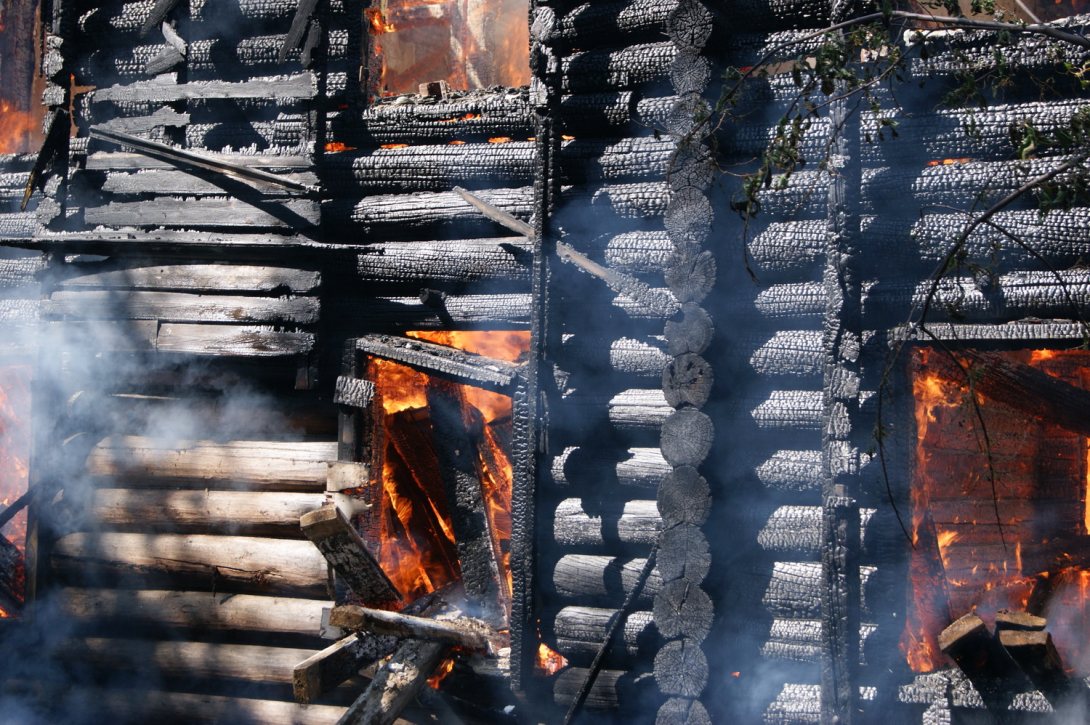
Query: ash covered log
x=205 y=611
x=598 y=70
x=500 y=262
x=586 y=522
x=345 y=551
x=217 y=562
x=257 y=464
x=443 y=362
x=455 y=437
x=235 y=512
x=586 y=578
x=580 y=631
x=395 y=684
x=455 y=631
x=475 y=117
x=297 y=87
x=611 y=23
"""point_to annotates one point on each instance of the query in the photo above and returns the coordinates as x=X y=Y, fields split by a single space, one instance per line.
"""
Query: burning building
x=409 y=358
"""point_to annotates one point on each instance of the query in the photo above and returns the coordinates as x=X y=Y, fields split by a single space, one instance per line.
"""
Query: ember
x=1000 y=515
x=549 y=661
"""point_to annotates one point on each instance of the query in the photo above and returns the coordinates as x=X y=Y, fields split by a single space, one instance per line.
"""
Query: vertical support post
x=841 y=347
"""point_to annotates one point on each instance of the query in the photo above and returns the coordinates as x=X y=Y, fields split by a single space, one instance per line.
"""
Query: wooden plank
x=164 y=117
x=179 y=307
x=205 y=212
x=126 y=161
x=201 y=611
x=230 y=512
x=300 y=86
x=395 y=684
x=245 y=464
x=322 y=671
x=463 y=632
x=191 y=277
x=442 y=361
x=231 y=340
x=345 y=551
x=232 y=563
x=187 y=182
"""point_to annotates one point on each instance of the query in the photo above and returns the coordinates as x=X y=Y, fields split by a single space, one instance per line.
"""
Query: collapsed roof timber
x=485 y=403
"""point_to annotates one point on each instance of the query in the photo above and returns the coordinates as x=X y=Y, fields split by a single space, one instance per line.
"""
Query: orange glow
x=565 y=137
x=465 y=117
x=377 y=23
x=17 y=127
x=949 y=162
x=335 y=147
x=963 y=559
x=549 y=661
x=445 y=668
x=415 y=531
x=500 y=139
x=389 y=146
x=14 y=455
x=456 y=143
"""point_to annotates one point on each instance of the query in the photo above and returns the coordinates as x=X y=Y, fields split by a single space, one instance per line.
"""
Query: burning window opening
x=14 y=458
x=469 y=44
x=1000 y=511
x=21 y=86
x=417 y=545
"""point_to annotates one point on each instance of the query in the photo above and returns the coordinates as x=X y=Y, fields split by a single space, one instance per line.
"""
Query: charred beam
x=620 y=282
x=346 y=553
x=461 y=632
x=324 y=670
x=1035 y=653
x=444 y=362
x=983 y=660
x=298 y=30
x=495 y=213
x=158 y=14
x=395 y=684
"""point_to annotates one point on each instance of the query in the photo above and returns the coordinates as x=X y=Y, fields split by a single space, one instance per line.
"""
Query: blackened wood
x=687 y=380
x=345 y=551
x=691 y=334
x=126 y=161
x=684 y=497
x=495 y=213
x=585 y=578
x=613 y=689
x=585 y=467
x=443 y=362
x=458 y=460
x=498 y=263
x=189 y=159
x=590 y=522
x=683 y=553
x=191 y=182
x=689 y=219
x=429 y=167
x=426 y=215
x=691 y=276
x=354 y=392
x=642 y=357
x=1018 y=385
x=690 y=72
x=12 y=572
x=690 y=24
x=630 y=67
x=1008 y=619
x=158 y=14
x=395 y=684
x=53 y=146
x=456 y=631
x=1037 y=656
x=475 y=117
x=206 y=213
x=206 y=611
x=501 y=311
x=205 y=278
x=683 y=609
x=619 y=282
x=682 y=711
x=166 y=59
x=580 y=632
x=300 y=87
x=231 y=340
x=303 y=14
x=983 y=660
x=231 y=563
x=612 y=23
x=681 y=668
x=686 y=437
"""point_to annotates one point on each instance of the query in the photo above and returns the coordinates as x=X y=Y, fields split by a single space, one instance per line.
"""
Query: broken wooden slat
x=207 y=278
x=324 y=670
x=298 y=29
x=126 y=161
x=395 y=684
x=299 y=86
x=191 y=182
x=345 y=551
x=495 y=213
x=462 y=632
x=442 y=361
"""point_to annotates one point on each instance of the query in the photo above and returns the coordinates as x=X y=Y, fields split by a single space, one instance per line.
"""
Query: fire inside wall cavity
x=417 y=541
x=14 y=460
x=1000 y=513
x=470 y=44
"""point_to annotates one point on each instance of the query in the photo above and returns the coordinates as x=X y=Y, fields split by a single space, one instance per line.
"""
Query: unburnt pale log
x=479 y=116
x=179 y=307
x=342 y=547
x=203 y=611
x=459 y=469
x=430 y=168
x=443 y=362
x=395 y=684
x=588 y=578
x=456 y=631
x=498 y=261
x=296 y=87
x=187 y=660
x=681 y=668
x=217 y=562
x=207 y=212
x=612 y=689
x=586 y=522
x=254 y=465
x=190 y=278
x=630 y=67
x=211 y=511
x=580 y=631
x=423 y=215
x=640 y=468
x=321 y=671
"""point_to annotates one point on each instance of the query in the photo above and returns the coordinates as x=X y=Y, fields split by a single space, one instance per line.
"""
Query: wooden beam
x=345 y=551
x=460 y=631
x=326 y=669
x=1035 y=653
x=299 y=87
x=158 y=14
x=447 y=363
x=303 y=13
x=395 y=684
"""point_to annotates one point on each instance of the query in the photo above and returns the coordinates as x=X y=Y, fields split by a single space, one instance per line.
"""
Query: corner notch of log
x=447 y=363
x=345 y=551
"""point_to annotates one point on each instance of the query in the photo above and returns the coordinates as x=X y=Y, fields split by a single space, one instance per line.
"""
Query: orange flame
x=949 y=162
x=500 y=139
x=335 y=147
x=445 y=668
x=389 y=146
x=17 y=127
x=549 y=661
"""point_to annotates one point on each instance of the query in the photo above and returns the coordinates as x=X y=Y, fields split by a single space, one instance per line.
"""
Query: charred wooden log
x=631 y=67
x=345 y=551
x=441 y=361
x=462 y=632
x=179 y=307
x=395 y=684
x=581 y=630
x=458 y=312
x=454 y=263
x=234 y=512
x=983 y=660
x=583 y=522
x=423 y=215
x=192 y=183
x=125 y=161
x=217 y=562
x=641 y=468
x=297 y=87
x=322 y=671
x=204 y=278
x=1037 y=656
x=611 y=690
x=614 y=23
x=205 y=213
x=255 y=465
x=128 y=18
x=204 y=611
x=586 y=578
x=473 y=118
x=625 y=356
x=12 y=577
